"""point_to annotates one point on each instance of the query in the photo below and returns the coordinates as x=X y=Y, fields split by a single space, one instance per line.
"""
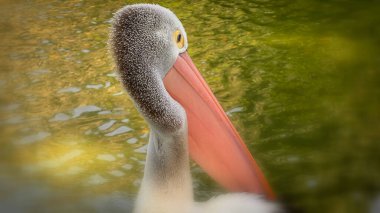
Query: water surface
x=299 y=79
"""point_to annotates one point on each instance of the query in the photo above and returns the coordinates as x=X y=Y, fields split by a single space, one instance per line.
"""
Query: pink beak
x=214 y=143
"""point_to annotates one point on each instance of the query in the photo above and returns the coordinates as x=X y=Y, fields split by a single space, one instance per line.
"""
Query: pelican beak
x=214 y=143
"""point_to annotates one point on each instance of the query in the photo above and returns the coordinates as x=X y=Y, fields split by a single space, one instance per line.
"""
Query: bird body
x=149 y=44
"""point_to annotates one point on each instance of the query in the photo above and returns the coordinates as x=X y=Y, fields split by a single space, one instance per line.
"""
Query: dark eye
x=178 y=39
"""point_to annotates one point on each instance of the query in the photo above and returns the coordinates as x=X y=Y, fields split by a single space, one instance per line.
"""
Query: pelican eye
x=178 y=38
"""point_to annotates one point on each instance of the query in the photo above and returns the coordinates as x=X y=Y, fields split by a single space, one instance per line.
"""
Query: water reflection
x=13 y=120
x=85 y=109
x=73 y=170
x=60 y=117
x=127 y=166
x=142 y=149
x=33 y=138
x=69 y=90
x=117 y=173
x=107 y=125
x=96 y=180
x=118 y=131
x=94 y=86
x=105 y=112
x=299 y=79
x=106 y=157
x=57 y=162
x=132 y=140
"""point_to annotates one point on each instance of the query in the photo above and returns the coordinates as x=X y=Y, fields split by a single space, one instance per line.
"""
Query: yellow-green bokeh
x=299 y=79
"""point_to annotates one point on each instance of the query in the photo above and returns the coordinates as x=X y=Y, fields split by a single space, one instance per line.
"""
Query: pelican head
x=145 y=41
x=147 y=37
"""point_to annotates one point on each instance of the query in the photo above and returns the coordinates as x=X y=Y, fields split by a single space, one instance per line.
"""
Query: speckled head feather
x=142 y=35
x=144 y=50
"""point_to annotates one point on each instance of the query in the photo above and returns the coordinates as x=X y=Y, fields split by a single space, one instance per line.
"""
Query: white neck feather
x=167 y=184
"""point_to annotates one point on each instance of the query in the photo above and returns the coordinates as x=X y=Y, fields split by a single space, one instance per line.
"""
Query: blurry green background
x=300 y=79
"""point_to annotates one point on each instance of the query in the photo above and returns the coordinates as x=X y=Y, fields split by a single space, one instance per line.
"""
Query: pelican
x=148 y=44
